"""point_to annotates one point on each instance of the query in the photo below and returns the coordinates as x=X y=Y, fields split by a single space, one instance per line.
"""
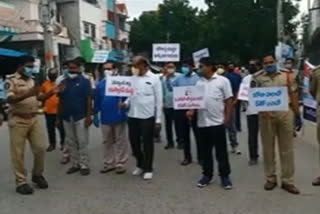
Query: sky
x=136 y=7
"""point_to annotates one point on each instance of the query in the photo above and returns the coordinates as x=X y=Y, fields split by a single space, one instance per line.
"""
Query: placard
x=200 y=54
x=190 y=97
x=100 y=56
x=119 y=86
x=166 y=52
x=37 y=66
x=309 y=103
x=244 y=91
x=269 y=99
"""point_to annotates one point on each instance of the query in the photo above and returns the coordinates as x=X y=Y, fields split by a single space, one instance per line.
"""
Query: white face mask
x=108 y=72
x=288 y=66
x=171 y=70
x=72 y=76
x=135 y=71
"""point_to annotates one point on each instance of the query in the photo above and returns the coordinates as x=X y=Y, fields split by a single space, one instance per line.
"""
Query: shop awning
x=10 y=53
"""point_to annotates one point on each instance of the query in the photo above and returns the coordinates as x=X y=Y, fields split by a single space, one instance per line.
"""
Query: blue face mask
x=28 y=71
x=200 y=73
x=185 y=70
x=65 y=71
x=271 y=68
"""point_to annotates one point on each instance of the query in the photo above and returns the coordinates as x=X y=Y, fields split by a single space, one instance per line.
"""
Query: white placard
x=166 y=52
x=119 y=86
x=244 y=91
x=269 y=99
x=100 y=56
x=190 y=97
x=200 y=54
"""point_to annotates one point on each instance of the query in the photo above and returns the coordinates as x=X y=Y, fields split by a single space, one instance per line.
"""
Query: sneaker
x=120 y=170
x=204 y=181
x=40 y=181
x=85 y=171
x=73 y=169
x=148 y=176
x=137 y=172
x=235 y=150
x=24 y=189
x=107 y=169
x=226 y=183
x=316 y=182
x=51 y=148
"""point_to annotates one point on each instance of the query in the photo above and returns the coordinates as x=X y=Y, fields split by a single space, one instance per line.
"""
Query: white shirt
x=217 y=91
x=247 y=81
x=147 y=100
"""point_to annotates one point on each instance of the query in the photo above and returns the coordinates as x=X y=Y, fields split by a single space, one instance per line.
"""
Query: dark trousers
x=214 y=136
x=170 y=121
x=183 y=125
x=51 y=128
x=253 y=135
x=238 y=116
x=141 y=132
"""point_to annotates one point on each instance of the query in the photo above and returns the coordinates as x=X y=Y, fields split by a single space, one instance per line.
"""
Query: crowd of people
x=73 y=101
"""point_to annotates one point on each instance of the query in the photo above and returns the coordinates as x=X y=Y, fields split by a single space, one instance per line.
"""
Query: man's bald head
x=140 y=63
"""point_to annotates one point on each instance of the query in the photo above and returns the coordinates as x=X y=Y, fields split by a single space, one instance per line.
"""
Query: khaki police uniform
x=24 y=125
x=277 y=125
x=315 y=90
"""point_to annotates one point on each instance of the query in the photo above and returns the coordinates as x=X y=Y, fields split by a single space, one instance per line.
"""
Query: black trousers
x=141 y=132
x=214 y=136
x=51 y=128
x=183 y=126
x=253 y=136
x=238 y=116
x=170 y=121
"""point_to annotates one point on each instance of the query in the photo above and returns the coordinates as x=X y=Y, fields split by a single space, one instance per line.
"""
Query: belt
x=25 y=115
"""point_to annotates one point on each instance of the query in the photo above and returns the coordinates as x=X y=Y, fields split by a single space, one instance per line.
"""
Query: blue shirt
x=167 y=86
x=74 y=98
x=235 y=80
x=108 y=106
x=186 y=80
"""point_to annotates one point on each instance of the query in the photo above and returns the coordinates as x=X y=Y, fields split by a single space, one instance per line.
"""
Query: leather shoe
x=40 y=181
x=168 y=147
x=73 y=169
x=268 y=186
x=51 y=148
x=316 y=182
x=24 y=189
x=290 y=188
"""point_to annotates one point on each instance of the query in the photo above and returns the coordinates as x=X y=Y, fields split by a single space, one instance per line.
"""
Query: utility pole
x=45 y=8
x=280 y=21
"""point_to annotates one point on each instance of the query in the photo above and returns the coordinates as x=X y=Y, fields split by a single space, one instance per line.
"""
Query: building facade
x=313 y=43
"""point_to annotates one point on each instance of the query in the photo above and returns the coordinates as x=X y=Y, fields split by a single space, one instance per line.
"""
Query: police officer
x=315 y=92
x=278 y=125
x=24 y=125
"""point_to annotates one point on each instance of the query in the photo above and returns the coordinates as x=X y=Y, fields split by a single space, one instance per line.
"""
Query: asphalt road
x=172 y=191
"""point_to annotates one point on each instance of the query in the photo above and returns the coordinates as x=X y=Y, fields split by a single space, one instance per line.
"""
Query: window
x=89 y=30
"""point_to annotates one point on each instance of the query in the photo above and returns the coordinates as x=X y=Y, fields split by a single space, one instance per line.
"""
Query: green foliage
x=231 y=29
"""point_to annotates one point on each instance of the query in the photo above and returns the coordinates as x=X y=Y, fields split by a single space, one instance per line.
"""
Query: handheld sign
x=100 y=56
x=166 y=52
x=269 y=99
x=244 y=91
x=119 y=86
x=200 y=54
x=191 y=97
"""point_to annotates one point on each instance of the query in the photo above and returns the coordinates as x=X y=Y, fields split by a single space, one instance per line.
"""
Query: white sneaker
x=137 y=172
x=148 y=176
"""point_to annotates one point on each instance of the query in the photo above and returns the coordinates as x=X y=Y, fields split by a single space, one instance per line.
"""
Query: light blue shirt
x=167 y=86
x=186 y=80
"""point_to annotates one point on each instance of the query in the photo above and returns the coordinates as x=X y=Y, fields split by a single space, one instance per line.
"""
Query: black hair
x=188 y=62
x=25 y=59
x=290 y=59
x=65 y=63
x=111 y=62
x=207 y=61
x=75 y=62
x=81 y=60
x=167 y=63
x=269 y=54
